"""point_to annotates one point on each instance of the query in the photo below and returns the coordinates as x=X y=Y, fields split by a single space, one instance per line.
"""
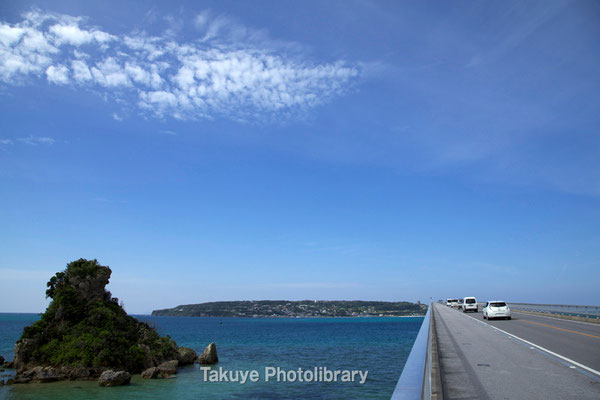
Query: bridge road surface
x=480 y=362
x=577 y=341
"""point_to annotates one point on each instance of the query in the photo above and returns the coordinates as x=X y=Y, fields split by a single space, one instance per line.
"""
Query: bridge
x=535 y=355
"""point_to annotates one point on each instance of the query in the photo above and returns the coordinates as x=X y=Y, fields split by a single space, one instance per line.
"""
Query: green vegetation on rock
x=84 y=326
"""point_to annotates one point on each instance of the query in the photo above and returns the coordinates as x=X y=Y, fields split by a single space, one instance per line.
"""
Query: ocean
x=377 y=345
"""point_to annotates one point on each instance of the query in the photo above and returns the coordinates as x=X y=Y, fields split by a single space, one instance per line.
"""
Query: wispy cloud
x=226 y=30
x=6 y=141
x=229 y=73
x=102 y=200
x=36 y=140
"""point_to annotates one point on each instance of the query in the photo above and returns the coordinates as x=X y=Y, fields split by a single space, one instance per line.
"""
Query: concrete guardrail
x=565 y=309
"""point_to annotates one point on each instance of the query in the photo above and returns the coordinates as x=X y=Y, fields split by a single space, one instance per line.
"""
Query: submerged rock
x=186 y=356
x=209 y=356
x=74 y=373
x=45 y=374
x=21 y=379
x=1 y=360
x=114 y=378
x=168 y=368
x=9 y=364
x=150 y=373
x=164 y=370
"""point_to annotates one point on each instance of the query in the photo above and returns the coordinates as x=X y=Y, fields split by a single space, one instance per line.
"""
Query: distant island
x=295 y=309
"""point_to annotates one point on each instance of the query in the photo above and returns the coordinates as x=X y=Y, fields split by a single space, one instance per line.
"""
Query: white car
x=469 y=304
x=496 y=309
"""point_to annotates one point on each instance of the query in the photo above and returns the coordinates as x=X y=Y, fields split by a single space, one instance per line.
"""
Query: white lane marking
x=593 y=371
x=558 y=319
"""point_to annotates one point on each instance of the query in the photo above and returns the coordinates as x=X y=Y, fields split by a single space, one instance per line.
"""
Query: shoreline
x=284 y=317
x=229 y=316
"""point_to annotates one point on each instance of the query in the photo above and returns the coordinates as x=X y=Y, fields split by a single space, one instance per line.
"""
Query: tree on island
x=84 y=328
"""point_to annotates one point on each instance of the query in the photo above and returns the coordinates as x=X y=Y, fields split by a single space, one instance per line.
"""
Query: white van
x=469 y=304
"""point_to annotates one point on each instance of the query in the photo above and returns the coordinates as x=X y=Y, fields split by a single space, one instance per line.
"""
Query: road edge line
x=593 y=371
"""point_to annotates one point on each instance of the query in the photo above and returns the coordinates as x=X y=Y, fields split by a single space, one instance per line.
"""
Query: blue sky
x=301 y=150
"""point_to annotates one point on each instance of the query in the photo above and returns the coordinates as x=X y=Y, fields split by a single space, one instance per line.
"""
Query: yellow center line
x=561 y=329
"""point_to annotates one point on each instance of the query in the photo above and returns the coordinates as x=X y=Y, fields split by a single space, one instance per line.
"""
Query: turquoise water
x=379 y=345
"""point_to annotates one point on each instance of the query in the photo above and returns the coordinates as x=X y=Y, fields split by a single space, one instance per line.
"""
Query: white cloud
x=137 y=73
x=9 y=35
x=36 y=43
x=117 y=117
x=159 y=101
x=58 y=74
x=71 y=34
x=81 y=72
x=45 y=140
x=35 y=140
x=109 y=73
x=222 y=75
x=6 y=141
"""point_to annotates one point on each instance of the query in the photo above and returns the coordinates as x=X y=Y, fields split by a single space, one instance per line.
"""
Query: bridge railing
x=565 y=309
x=415 y=381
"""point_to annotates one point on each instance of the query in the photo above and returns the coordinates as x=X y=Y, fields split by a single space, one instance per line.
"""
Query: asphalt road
x=577 y=341
x=479 y=362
